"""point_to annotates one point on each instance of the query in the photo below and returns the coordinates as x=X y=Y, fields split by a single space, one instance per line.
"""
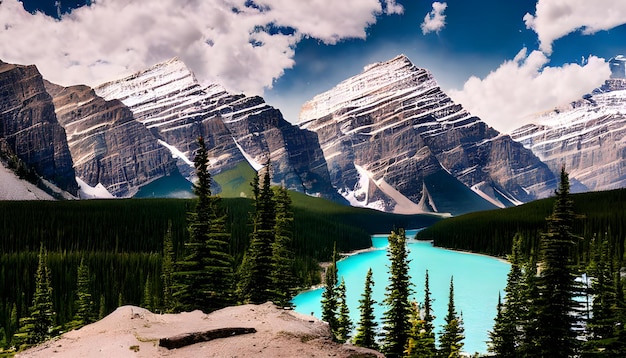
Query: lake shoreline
x=343 y=255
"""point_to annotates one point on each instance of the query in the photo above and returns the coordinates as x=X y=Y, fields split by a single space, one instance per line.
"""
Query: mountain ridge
x=587 y=136
x=395 y=123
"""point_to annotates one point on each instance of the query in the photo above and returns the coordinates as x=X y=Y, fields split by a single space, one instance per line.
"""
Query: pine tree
x=256 y=284
x=283 y=277
x=422 y=341
x=167 y=269
x=555 y=306
x=366 y=330
x=396 y=324
x=102 y=309
x=204 y=276
x=84 y=302
x=451 y=338
x=344 y=324
x=507 y=334
x=39 y=326
x=329 y=296
x=529 y=317
x=603 y=326
x=146 y=299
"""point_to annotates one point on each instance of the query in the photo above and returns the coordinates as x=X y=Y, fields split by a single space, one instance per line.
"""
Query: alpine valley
x=388 y=138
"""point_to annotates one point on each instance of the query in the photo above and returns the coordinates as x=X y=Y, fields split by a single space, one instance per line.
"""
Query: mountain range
x=388 y=138
x=587 y=136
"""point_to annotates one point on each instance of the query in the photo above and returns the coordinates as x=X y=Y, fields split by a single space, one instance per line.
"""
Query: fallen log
x=187 y=339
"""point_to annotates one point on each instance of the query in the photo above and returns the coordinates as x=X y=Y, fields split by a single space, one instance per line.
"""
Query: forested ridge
x=121 y=242
x=491 y=232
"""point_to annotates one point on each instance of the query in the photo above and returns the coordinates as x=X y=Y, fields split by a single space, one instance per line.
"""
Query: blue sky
x=503 y=60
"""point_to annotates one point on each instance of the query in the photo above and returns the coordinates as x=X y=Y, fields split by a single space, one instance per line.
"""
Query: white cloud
x=554 y=19
x=435 y=20
x=525 y=85
x=221 y=40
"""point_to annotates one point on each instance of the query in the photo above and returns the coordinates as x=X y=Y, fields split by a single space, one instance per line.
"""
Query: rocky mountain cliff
x=169 y=101
x=108 y=145
x=29 y=128
x=394 y=141
x=588 y=136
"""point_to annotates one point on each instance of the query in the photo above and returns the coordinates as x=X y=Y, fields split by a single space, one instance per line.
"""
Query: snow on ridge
x=477 y=188
x=89 y=192
x=372 y=85
x=176 y=153
x=256 y=165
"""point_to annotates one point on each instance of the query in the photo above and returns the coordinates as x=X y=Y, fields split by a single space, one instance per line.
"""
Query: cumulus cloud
x=435 y=20
x=525 y=85
x=554 y=19
x=245 y=45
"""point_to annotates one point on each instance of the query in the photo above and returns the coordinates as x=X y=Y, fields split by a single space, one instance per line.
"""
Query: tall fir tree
x=422 y=340
x=283 y=277
x=167 y=270
x=85 y=313
x=555 y=306
x=366 y=331
x=203 y=278
x=452 y=334
x=39 y=325
x=604 y=324
x=530 y=292
x=344 y=324
x=396 y=320
x=255 y=284
x=147 y=298
x=507 y=334
x=329 y=296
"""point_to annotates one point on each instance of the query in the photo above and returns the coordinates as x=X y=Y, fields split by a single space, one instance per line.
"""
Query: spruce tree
x=84 y=302
x=366 y=331
x=344 y=324
x=102 y=308
x=39 y=326
x=329 y=296
x=451 y=338
x=167 y=269
x=146 y=298
x=396 y=324
x=555 y=307
x=507 y=334
x=283 y=277
x=604 y=325
x=422 y=341
x=530 y=293
x=204 y=275
x=256 y=285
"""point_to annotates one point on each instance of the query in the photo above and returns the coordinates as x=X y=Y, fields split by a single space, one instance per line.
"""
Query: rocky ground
x=135 y=332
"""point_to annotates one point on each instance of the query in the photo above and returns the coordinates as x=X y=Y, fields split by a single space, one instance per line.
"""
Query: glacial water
x=477 y=281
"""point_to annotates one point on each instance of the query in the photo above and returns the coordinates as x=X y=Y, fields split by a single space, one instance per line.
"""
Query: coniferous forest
x=90 y=255
x=66 y=264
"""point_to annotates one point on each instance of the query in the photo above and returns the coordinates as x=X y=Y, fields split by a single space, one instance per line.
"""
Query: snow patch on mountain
x=89 y=192
x=176 y=153
x=253 y=163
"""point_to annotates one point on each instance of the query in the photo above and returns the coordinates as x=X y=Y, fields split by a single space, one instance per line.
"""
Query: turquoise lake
x=477 y=281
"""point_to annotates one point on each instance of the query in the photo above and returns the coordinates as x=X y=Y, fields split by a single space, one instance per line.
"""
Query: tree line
x=202 y=275
x=407 y=329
